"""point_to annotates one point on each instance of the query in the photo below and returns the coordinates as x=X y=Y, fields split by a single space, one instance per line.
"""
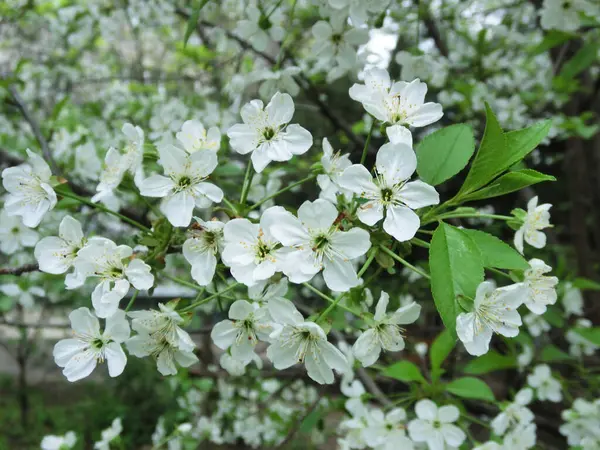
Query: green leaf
x=591 y=334
x=499 y=151
x=193 y=21
x=490 y=362
x=470 y=387
x=551 y=353
x=554 y=316
x=507 y=183
x=456 y=270
x=585 y=57
x=551 y=40
x=404 y=371
x=440 y=349
x=496 y=253
x=519 y=143
x=444 y=153
x=311 y=421
x=585 y=284
x=491 y=150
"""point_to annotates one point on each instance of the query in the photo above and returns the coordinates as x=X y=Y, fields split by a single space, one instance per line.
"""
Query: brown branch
x=19 y=270
x=434 y=33
x=35 y=128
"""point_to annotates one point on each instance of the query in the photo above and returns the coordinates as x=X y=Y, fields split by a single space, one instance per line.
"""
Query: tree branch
x=19 y=270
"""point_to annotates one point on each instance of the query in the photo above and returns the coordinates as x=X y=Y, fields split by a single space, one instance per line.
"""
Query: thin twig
x=35 y=128
x=298 y=424
x=19 y=270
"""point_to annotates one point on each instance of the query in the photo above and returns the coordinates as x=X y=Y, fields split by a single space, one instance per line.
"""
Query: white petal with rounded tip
x=352 y=243
x=370 y=213
x=396 y=162
x=401 y=222
x=156 y=186
x=223 y=334
x=116 y=359
x=178 y=208
x=339 y=275
x=317 y=215
x=417 y=194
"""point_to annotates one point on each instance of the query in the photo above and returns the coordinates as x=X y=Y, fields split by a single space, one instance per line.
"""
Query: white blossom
x=386 y=332
x=398 y=103
x=390 y=193
x=30 y=193
x=537 y=218
x=305 y=343
x=546 y=386
x=334 y=165
x=53 y=442
x=14 y=235
x=434 y=425
x=89 y=346
x=541 y=288
x=387 y=431
x=194 y=137
x=250 y=250
x=565 y=15
x=514 y=414
x=116 y=271
x=572 y=300
x=25 y=297
x=494 y=311
x=313 y=242
x=109 y=434
x=201 y=249
x=581 y=421
x=266 y=133
x=184 y=187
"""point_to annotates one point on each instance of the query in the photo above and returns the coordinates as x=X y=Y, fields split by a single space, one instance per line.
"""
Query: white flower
x=494 y=311
x=251 y=251
x=117 y=164
x=57 y=254
x=194 y=137
x=536 y=324
x=581 y=421
x=25 y=296
x=184 y=186
x=279 y=80
x=434 y=425
x=572 y=300
x=165 y=355
x=201 y=249
x=109 y=434
x=390 y=192
x=565 y=15
x=334 y=165
x=537 y=219
x=80 y=354
x=52 y=442
x=163 y=325
x=525 y=358
x=386 y=332
x=30 y=194
x=248 y=324
x=578 y=345
x=521 y=438
x=259 y=29
x=387 y=428
x=266 y=133
x=515 y=414
x=331 y=39
x=306 y=342
x=547 y=387
x=541 y=289
x=313 y=243
x=359 y=10
x=399 y=103
x=104 y=259
x=14 y=235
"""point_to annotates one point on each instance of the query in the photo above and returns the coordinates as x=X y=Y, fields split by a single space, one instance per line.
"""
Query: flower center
x=336 y=38
x=97 y=343
x=437 y=424
x=262 y=250
x=387 y=195
x=184 y=182
x=15 y=230
x=268 y=133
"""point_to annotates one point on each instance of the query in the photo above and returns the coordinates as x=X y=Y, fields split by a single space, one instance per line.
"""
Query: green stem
x=403 y=261
x=420 y=242
x=281 y=191
x=101 y=207
x=209 y=298
x=452 y=215
x=182 y=282
x=367 y=142
x=339 y=298
x=476 y=420
x=133 y=297
x=330 y=300
x=247 y=181
x=499 y=272
x=230 y=205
